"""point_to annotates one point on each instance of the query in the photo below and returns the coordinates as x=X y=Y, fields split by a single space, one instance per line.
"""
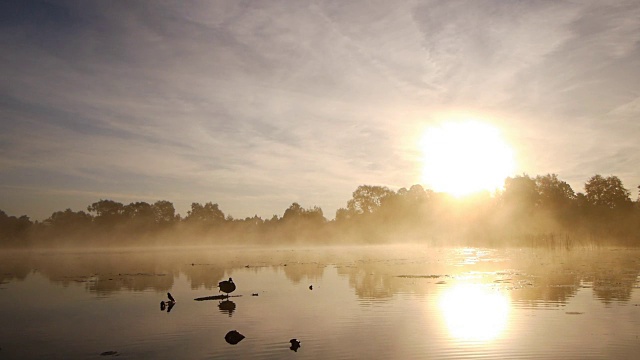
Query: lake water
x=382 y=302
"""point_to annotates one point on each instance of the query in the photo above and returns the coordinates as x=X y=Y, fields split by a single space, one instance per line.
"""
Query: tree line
x=528 y=211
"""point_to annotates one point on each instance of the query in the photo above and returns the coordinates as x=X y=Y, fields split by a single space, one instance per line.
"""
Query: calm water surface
x=398 y=302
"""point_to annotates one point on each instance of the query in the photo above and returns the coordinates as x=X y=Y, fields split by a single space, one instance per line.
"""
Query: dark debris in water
x=233 y=337
x=574 y=313
x=295 y=344
x=110 y=353
x=216 y=297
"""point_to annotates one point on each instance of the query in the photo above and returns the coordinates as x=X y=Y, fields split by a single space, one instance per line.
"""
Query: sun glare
x=473 y=312
x=461 y=158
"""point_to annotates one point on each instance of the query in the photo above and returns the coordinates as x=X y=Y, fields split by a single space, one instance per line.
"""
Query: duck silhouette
x=233 y=337
x=227 y=286
x=227 y=306
x=295 y=345
x=167 y=304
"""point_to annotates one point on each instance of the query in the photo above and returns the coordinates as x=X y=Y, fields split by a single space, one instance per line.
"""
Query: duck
x=227 y=286
x=167 y=304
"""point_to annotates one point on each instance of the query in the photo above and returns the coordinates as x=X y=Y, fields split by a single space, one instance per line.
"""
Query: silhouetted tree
x=294 y=211
x=297 y=212
x=67 y=226
x=553 y=193
x=108 y=212
x=208 y=214
x=164 y=212
x=607 y=192
x=139 y=210
x=367 y=199
x=140 y=215
x=520 y=192
x=529 y=211
x=14 y=230
x=343 y=215
x=68 y=219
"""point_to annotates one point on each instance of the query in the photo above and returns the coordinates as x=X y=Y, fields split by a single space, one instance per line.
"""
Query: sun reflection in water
x=473 y=312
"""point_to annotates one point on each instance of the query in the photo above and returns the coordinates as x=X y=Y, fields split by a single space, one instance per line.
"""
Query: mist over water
x=534 y=212
x=398 y=301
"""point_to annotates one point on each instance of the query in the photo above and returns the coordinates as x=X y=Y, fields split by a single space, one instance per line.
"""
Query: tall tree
x=521 y=192
x=68 y=218
x=140 y=215
x=108 y=212
x=553 y=193
x=164 y=212
x=209 y=214
x=14 y=230
x=607 y=192
x=367 y=199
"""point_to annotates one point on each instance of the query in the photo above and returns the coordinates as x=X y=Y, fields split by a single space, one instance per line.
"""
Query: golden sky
x=255 y=105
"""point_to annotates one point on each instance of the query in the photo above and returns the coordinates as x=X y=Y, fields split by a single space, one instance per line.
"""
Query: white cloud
x=275 y=102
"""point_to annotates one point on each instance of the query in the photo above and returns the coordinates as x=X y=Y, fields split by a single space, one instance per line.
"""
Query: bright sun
x=461 y=158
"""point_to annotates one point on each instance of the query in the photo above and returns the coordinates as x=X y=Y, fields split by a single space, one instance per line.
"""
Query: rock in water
x=295 y=345
x=233 y=337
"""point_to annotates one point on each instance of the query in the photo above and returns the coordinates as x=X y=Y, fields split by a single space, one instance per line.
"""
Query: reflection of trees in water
x=105 y=284
x=557 y=275
x=134 y=270
x=110 y=272
x=532 y=275
x=613 y=288
x=615 y=277
x=297 y=272
x=379 y=280
x=540 y=278
x=367 y=282
x=206 y=276
x=14 y=267
x=550 y=287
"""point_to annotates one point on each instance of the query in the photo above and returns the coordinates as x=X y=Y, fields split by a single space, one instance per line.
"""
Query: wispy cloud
x=258 y=104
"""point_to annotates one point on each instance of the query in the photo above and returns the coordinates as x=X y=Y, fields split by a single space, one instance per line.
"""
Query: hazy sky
x=257 y=104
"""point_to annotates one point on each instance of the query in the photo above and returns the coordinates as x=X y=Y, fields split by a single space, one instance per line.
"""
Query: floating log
x=216 y=297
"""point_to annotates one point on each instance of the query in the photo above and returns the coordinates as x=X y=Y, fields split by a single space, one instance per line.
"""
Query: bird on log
x=227 y=286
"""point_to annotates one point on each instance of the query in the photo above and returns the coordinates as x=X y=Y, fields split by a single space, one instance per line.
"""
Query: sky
x=255 y=105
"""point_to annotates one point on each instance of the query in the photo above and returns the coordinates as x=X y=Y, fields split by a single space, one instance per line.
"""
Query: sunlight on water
x=341 y=303
x=473 y=312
